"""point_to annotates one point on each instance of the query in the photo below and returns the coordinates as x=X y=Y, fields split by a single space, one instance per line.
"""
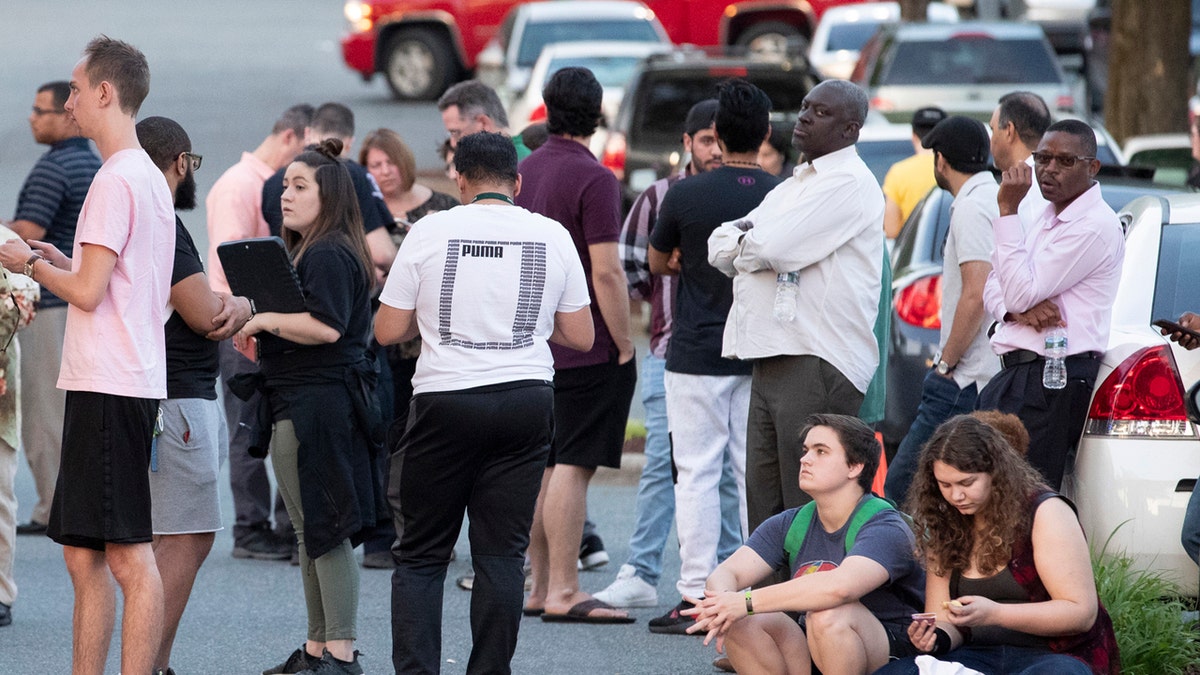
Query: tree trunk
x=1148 y=68
x=913 y=10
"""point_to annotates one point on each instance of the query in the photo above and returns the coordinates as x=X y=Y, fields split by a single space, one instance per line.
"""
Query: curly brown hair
x=947 y=538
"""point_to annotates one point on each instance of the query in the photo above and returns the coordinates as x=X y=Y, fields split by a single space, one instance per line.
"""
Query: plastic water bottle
x=1054 y=375
x=787 y=292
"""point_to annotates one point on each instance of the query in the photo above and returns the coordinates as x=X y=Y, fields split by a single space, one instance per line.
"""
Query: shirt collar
x=1082 y=204
x=977 y=180
x=829 y=161
x=72 y=142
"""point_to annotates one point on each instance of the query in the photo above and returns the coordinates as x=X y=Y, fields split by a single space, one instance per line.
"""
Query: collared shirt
x=234 y=206
x=1072 y=258
x=1033 y=203
x=825 y=222
x=969 y=240
x=657 y=290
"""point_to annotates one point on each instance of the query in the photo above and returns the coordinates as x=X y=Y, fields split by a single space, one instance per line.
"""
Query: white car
x=1169 y=154
x=505 y=63
x=844 y=29
x=1139 y=456
x=612 y=62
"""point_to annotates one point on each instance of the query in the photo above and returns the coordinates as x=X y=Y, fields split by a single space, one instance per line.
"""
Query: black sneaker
x=261 y=544
x=5 y=614
x=674 y=623
x=329 y=665
x=592 y=553
x=300 y=661
x=32 y=527
x=167 y=671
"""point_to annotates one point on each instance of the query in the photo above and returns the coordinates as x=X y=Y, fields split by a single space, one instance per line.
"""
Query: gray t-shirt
x=969 y=240
x=885 y=538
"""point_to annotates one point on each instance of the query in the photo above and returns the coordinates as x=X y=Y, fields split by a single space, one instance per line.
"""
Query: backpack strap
x=797 y=531
x=862 y=514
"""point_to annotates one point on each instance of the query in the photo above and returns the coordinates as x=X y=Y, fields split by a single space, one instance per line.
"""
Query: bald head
x=830 y=118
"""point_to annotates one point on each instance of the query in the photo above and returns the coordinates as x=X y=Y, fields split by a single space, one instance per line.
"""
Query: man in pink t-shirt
x=117 y=283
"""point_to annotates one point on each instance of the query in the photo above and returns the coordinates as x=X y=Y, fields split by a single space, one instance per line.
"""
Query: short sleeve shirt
x=119 y=347
x=563 y=181
x=485 y=281
x=192 y=360
x=885 y=538
x=970 y=240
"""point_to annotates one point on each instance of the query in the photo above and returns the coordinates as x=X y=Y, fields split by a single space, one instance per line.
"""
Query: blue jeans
x=999 y=659
x=655 y=509
x=1191 y=525
x=941 y=399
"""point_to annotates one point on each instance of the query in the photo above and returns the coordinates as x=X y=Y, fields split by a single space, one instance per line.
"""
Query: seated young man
x=854 y=581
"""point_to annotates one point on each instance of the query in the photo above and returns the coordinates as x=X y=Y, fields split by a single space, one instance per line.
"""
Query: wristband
x=749 y=603
x=253 y=309
x=941 y=643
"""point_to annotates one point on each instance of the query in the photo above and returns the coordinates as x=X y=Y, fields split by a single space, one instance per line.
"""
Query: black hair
x=572 y=99
x=333 y=119
x=534 y=135
x=743 y=115
x=59 y=89
x=486 y=157
x=857 y=439
x=781 y=140
x=1028 y=113
x=1079 y=129
x=163 y=139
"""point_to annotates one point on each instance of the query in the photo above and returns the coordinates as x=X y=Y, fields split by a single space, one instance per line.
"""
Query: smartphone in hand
x=1174 y=327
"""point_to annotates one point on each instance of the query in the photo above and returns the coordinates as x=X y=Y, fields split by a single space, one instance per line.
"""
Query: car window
x=665 y=98
x=1175 y=287
x=850 y=36
x=1171 y=164
x=610 y=71
x=538 y=35
x=969 y=60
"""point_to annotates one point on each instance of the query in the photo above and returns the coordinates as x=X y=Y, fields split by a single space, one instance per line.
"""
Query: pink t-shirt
x=118 y=348
x=234 y=206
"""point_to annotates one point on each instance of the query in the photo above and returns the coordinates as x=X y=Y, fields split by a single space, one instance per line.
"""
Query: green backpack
x=804 y=517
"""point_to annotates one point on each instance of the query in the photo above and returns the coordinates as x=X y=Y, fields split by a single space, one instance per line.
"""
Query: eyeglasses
x=43 y=111
x=193 y=159
x=1063 y=161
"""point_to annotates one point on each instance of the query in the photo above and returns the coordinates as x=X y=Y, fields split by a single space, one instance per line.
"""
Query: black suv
x=645 y=142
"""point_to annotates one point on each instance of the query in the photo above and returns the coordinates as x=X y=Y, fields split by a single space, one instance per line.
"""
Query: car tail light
x=1142 y=397
x=1065 y=102
x=538 y=114
x=882 y=104
x=920 y=303
x=728 y=71
x=614 y=154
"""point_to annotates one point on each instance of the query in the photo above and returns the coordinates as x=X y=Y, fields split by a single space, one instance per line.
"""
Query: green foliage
x=1147 y=614
x=635 y=429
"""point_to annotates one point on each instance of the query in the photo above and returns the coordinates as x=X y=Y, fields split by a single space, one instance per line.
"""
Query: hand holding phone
x=1184 y=336
x=925 y=617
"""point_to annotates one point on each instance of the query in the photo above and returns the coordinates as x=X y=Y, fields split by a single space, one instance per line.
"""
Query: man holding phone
x=1186 y=332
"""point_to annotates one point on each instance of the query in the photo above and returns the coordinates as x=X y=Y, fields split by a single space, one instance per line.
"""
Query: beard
x=185 y=194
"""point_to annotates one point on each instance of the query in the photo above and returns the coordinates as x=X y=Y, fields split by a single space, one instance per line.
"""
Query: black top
x=375 y=212
x=690 y=211
x=438 y=201
x=192 y=360
x=336 y=293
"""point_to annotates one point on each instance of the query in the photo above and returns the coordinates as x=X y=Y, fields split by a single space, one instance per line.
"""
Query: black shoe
x=329 y=665
x=167 y=671
x=32 y=527
x=299 y=662
x=674 y=623
x=592 y=553
x=261 y=544
x=5 y=614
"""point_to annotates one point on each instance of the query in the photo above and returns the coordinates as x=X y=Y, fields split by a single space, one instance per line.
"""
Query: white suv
x=1139 y=456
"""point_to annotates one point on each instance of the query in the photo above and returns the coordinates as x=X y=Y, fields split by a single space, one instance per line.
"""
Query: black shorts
x=591 y=409
x=899 y=646
x=103 y=491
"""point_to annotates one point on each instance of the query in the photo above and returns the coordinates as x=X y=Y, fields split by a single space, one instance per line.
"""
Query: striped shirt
x=53 y=194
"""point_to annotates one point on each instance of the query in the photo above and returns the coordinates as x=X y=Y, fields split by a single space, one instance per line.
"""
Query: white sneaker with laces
x=629 y=590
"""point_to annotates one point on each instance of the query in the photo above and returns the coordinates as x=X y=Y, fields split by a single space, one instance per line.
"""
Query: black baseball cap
x=925 y=119
x=702 y=116
x=962 y=141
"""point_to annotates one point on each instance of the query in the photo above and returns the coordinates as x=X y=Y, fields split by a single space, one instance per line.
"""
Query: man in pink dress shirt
x=1062 y=269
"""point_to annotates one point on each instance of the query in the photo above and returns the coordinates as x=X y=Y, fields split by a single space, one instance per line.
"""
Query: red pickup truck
x=424 y=46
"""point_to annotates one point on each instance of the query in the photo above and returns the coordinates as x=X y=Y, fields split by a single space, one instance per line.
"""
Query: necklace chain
x=735 y=162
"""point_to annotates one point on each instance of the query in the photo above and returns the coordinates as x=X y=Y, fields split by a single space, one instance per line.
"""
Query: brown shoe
x=722 y=663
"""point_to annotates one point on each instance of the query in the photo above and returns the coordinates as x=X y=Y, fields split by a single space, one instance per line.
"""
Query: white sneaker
x=629 y=591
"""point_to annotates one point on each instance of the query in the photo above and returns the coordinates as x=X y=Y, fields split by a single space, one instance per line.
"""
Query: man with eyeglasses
x=1061 y=270
x=47 y=210
x=472 y=106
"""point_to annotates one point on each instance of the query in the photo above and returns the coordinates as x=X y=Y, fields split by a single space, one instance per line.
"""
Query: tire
x=419 y=65
x=773 y=38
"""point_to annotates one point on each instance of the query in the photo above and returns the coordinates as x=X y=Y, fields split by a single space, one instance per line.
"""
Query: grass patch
x=1147 y=613
x=635 y=429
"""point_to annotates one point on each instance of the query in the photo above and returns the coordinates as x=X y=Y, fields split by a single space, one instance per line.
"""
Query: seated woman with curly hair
x=1009 y=585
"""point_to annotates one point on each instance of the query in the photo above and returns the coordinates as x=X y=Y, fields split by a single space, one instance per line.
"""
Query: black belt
x=1018 y=357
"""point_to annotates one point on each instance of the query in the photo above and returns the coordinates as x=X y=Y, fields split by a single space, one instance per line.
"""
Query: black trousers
x=482 y=451
x=1054 y=417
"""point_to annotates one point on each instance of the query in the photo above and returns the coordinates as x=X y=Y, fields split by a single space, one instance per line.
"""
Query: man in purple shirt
x=592 y=390
x=1061 y=270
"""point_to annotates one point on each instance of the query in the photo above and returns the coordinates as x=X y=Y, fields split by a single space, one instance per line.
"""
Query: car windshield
x=610 y=71
x=970 y=60
x=659 y=115
x=1175 y=287
x=850 y=36
x=540 y=34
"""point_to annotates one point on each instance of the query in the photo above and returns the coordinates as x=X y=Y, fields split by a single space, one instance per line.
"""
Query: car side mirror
x=1192 y=403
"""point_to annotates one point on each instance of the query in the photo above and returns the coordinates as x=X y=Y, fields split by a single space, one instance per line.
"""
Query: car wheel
x=419 y=64
x=773 y=38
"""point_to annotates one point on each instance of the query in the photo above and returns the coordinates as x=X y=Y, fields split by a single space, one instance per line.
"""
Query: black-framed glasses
x=46 y=111
x=193 y=159
x=1063 y=161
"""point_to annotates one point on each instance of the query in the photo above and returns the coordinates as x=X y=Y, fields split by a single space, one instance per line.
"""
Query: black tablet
x=261 y=270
